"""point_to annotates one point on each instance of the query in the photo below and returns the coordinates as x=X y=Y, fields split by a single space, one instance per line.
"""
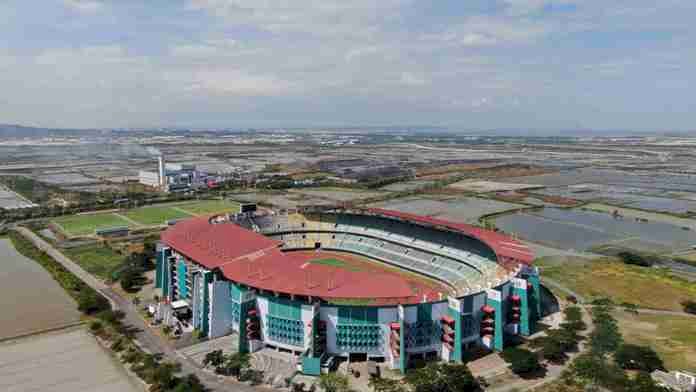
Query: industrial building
x=438 y=288
x=175 y=177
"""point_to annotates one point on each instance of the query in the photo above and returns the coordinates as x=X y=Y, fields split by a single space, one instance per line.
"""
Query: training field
x=86 y=224
x=204 y=207
x=156 y=215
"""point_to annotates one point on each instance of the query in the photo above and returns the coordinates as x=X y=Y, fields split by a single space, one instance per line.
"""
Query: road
x=144 y=336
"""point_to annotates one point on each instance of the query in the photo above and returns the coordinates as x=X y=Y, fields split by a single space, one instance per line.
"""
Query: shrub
x=521 y=361
x=635 y=259
x=333 y=382
x=95 y=326
x=634 y=357
x=442 y=377
x=689 y=306
x=90 y=302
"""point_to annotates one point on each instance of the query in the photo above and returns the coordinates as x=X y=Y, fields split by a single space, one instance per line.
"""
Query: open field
x=155 y=215
x=481 y=186
x=96 y=259
x=407 y=186
x=338 y=194
x=456 y=209
x=61 y=362
x=584 y=230
x=646 y=287
x=86 y=224
x=203 y=207
x=672 y=337
x=32 y=300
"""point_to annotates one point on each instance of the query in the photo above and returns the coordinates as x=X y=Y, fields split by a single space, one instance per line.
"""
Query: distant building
x=176 y=177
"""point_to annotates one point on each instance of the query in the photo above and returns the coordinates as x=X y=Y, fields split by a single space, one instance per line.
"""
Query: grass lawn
x=210 y=207
x=672 y=337
x=645 y=287
x=158 y=215
x=335 y=263
x=96 y=259
x=86 y=224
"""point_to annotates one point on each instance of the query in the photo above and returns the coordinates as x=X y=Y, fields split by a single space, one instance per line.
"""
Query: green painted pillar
x=494 y=300
x=160 y=259
x=519 y=288
x=166 y=278
x=536 y=295
x=205 y=320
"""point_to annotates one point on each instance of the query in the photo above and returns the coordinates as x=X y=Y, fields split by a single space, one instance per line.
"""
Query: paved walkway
x=145 y=337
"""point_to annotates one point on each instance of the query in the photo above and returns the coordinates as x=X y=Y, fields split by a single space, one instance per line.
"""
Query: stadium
x=355 y=283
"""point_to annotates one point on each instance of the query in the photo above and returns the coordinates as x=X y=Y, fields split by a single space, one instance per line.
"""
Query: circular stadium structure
x=356 y=283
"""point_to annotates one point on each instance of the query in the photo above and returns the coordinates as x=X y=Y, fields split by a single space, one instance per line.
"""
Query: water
x=581 y=230
x=31 y=300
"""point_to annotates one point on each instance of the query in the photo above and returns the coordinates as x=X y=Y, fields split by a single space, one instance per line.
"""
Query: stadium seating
x=450 y=257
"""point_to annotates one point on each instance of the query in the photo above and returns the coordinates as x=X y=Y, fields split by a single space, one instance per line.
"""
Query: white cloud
x=411 y=79
x=86 y=6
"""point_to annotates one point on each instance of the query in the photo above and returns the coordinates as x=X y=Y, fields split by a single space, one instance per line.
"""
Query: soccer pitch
x=203 y=207
x=156 y=215
x=87 y=224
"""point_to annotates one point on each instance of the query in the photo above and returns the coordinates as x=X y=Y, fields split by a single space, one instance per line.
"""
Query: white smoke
x=154 y=151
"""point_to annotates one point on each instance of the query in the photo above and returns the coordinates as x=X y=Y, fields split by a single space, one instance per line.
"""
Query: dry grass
x=645 y=287
x=672 y=337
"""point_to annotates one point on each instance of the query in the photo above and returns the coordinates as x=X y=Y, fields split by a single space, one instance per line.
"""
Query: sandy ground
x=31 y=299
x=69 y=361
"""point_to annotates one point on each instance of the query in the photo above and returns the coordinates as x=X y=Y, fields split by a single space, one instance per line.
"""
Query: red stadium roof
x=253 y=259
x=213 y=245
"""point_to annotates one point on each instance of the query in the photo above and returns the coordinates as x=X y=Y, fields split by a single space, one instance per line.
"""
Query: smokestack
x=162 y=177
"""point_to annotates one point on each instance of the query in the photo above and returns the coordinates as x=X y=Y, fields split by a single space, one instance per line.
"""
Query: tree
x=333 y=382
x=386 y=385
x=642 y=382
x=213 y=358
x=132 y=279
x=689 y=306
x=551 y=349
x=634 y=357
x=190 y=383
x=89 y=302
x=233 y=364
x=442 y=377
x=597 y=370
x=522 y=361
x=605 y=338
x=635 y=259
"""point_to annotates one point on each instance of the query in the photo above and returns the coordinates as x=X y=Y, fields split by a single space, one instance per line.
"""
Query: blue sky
x=469 y=64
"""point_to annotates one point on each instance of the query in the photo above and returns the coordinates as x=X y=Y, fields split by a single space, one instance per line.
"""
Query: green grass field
x=672 y=337
x=86 y=224
x=210 y=207
x=80 y=225
x=646 y=287
x=335 y=263
x=96 y=259
x=157 y=215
